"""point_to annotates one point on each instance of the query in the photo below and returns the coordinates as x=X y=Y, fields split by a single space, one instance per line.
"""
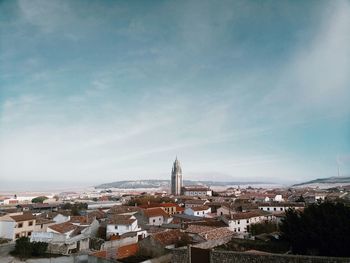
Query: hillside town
x=184 y=224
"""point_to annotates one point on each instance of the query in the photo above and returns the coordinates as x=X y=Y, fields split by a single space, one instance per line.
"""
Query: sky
x=101 y=91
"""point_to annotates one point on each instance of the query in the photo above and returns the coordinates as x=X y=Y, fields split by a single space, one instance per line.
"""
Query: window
x=238 y=222
x=30 y=223
x=274 y=209
x=29 y=233
x=154 y=220
x=239 y=229
x=17 y=235
x=159 y=218
x=235 y=229
x=115 y=227
x=281 y=208
x=41 y=226
x=221 y=213
x=268 y=209
x=197 y=213
x=20 y=225
x=247 y=221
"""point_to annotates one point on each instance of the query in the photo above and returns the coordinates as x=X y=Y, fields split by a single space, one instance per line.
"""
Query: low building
x=14 y=226
x=156 y=216
x=280 y=207
x=240 y=222
x=201 y=211
x=195 y=202
x=197 y=191
x=66 y=238
x=118 y=225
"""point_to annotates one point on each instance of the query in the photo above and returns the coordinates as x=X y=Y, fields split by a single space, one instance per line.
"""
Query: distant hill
x=134 y=184
x=329 y=180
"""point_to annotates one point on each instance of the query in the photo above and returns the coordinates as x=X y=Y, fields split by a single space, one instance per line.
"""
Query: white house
x=66 y=238
x=241 y=221
x=156 y=216
x=120 y=224
x=16 y=225
x=280 y=207
x=201 y=211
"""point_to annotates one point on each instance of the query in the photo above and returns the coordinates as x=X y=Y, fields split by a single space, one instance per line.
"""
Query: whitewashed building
x=120 y=224
x=280 y=206
x=241 y=221
x=201 y=211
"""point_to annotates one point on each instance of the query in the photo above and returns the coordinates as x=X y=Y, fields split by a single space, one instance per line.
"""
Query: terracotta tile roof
x=159 y=205
x=121 y=220
x=152 y=212
x=63 y=227
x=216 y=233
x=250 y=214
x=118 y=253
x=120 y=209
x=168 y=237
x=82 y=220
x=24 y=217
x=41 y=221
x=196 y=229
x=98 y=214
x=180 y=209
x=200 y=208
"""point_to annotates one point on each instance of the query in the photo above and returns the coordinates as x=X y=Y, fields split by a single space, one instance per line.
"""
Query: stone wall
x=180 y=255
x=217 y=256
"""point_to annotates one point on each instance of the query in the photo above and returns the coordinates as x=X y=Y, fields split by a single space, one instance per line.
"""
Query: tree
x=39 y=199
x=23 y=248
x=265 y=227
x=39 y=248
x=322 y=229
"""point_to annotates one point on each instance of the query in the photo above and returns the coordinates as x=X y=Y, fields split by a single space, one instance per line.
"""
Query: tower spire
x=176 y=178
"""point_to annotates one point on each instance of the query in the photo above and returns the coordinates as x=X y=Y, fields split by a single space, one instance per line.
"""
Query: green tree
x=265 y=227
x=39 y=199
x=39 y=248
x=23 y=248
x=322 y=229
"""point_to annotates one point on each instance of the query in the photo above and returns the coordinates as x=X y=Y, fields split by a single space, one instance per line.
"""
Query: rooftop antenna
x=338 y=166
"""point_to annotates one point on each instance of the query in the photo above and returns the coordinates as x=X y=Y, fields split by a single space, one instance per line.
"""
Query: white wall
x=156 y=220
x=7 y=229
x=189 y=211
x=121 y=229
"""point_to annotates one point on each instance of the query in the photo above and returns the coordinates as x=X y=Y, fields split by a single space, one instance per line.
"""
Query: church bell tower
x=176 y=178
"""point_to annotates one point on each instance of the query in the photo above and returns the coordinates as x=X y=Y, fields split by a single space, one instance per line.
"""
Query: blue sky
x=99 y=91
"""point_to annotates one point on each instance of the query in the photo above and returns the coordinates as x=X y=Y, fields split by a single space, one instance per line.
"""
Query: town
x=186 y=223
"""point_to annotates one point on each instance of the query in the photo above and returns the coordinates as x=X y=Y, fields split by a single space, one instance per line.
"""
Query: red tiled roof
x=24 y=217
x=120 y=209
x=159 y=205
x=63 y=227
x=121 y=252
x=83 y=220
x=121 y=220
x=152 y=212
x=168 y=237
x=250 y=214
x=199 y=208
